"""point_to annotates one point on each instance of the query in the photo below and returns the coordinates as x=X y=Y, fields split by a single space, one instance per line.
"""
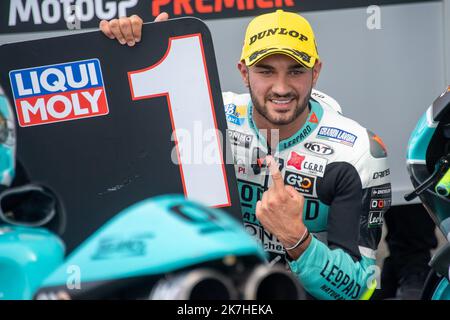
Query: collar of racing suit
x=314 y=117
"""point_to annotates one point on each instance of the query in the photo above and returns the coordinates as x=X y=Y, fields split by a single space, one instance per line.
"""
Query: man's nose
x=281 y=86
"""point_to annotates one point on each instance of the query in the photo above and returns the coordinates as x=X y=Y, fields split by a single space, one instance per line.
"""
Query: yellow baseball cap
x=280 y=32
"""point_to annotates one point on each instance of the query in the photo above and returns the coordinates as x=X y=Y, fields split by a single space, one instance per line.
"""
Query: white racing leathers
x=341 y=169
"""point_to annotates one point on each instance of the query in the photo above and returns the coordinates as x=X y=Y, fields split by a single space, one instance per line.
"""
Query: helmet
x=428 y=160
x=7 y=142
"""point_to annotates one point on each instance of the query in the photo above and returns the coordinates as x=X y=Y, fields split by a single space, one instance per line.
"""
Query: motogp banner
x=46 y=15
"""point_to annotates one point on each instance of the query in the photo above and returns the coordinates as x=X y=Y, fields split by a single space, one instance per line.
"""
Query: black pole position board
x=106 y=125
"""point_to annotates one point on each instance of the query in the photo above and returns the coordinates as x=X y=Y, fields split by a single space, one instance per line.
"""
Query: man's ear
x=316 y=71
x=244 y=72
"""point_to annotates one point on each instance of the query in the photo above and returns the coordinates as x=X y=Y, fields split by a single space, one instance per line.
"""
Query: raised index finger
x=277 y=178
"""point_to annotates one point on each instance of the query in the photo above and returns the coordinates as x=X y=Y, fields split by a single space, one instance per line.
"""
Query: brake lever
x=440 y=169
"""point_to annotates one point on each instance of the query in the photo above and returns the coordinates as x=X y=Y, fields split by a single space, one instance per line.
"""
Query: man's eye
x=296 y=72
x=264 y=71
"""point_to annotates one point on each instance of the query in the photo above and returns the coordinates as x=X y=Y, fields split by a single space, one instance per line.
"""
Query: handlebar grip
x=443 y=186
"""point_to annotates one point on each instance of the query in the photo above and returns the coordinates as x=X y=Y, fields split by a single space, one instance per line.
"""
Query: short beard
x=262 y=109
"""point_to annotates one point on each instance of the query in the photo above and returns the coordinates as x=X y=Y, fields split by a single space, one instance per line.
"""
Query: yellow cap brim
x=303 y=59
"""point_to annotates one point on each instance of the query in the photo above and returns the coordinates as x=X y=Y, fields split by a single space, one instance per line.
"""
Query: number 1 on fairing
x=182 y=76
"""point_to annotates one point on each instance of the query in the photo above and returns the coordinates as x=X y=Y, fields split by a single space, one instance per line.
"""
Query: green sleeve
x=331 y=274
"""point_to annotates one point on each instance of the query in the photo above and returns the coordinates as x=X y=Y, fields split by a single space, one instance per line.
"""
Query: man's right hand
x=127 y=29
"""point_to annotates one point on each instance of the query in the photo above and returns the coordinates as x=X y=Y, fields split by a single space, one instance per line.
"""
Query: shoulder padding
x=323 y=98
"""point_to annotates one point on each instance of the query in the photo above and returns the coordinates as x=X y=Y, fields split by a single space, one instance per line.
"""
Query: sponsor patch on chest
x=337 y=135
x=307 y=164
x=319 y=148
x=300 y=182
x=235 y=114
x=240 y=139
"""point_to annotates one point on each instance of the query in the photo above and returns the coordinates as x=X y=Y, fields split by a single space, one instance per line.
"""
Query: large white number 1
x=181 y=75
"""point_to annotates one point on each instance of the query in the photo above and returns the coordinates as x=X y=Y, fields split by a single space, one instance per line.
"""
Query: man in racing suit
x=321 y=207
x=341 y=170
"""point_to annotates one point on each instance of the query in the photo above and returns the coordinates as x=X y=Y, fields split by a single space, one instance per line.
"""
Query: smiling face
x=280 y=89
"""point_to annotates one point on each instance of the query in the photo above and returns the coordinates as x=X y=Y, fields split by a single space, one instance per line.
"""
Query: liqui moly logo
x=59 y=92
